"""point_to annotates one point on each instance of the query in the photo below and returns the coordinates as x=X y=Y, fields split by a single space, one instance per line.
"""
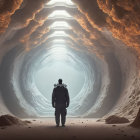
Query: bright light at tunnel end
x=60 y=25
x=69 y=2
x=59 y=13
x=58 y=52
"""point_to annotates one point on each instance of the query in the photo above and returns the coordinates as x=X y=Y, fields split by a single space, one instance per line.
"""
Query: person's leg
x=57 y=116
x=63 y=116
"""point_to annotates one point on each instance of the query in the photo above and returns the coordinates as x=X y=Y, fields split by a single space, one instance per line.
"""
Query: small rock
x=116 y=120
x=133 y=136
x=9 y=120
x=114 y=125
x=2 y=127
x=27 y=121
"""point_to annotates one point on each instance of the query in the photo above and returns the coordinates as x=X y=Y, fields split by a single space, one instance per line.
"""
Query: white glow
x=60 y=25
x=73 y=78
x=59 y=13
x=69 y=2
x=58 y=33
x=59 y=53
x=58 y=41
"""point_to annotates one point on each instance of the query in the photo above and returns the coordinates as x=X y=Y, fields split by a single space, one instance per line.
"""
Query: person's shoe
x=57 y=125
x=63 y=125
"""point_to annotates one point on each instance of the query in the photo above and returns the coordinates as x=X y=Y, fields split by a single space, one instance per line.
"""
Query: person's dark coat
x=60 y=96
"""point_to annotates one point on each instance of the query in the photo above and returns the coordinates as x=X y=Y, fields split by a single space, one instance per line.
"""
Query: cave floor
x=44 y=129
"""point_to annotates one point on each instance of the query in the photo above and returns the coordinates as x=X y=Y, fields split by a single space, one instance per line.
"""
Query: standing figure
x=60 y=101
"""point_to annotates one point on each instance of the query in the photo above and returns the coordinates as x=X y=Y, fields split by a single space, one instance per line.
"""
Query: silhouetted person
x=60 y=101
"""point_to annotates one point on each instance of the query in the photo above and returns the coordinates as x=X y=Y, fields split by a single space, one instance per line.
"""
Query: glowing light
x=60 y=25
x=59 y=13
x=58 y=33
x=58 y=41
x=59 y=53
x=69 y=2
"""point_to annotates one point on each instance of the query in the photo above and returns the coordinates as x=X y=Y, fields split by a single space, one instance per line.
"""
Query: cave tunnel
x=93 y=45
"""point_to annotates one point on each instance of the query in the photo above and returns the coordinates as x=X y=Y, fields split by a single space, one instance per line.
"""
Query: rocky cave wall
x=104 y=36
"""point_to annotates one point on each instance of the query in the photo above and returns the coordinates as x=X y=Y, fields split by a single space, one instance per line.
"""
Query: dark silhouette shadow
x=60 y=101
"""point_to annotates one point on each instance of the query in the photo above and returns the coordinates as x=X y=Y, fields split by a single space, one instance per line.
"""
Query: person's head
x=60 y=81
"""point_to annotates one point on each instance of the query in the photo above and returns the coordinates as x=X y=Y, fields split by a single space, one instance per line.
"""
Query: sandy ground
x=44 y=129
